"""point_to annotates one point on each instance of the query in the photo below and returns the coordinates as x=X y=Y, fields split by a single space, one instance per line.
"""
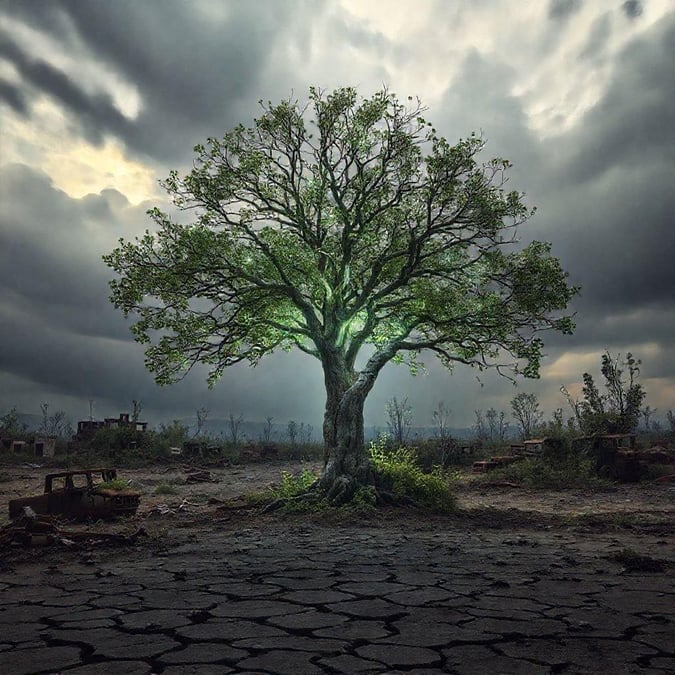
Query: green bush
x=364 y=499
x=120 y=438
x=293 y=485
x=544 y=473
x=399 y=472
x=117 y=484
x=166 y=489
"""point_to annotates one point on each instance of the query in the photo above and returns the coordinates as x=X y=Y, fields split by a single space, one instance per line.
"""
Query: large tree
x=340 y=226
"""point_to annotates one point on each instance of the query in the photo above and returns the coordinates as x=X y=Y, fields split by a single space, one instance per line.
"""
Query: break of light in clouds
x=100 y=100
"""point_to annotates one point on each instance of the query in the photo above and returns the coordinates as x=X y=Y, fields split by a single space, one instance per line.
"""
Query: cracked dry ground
x=312 y=595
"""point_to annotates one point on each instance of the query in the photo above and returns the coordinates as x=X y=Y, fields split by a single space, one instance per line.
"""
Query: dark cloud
x=632 y=8
x=50 y=252
x=480 y=100
x=634 y=122
x=95 y=113
x=191 y=69
x=603 y=189
x=14 y=97
x=563 y=9
x=614 y=202
x=601 y=31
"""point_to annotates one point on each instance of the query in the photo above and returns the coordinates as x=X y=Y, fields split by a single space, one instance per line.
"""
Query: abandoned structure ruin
x=87 y=428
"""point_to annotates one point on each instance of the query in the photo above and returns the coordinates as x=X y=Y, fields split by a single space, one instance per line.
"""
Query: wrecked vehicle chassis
x=79 y=495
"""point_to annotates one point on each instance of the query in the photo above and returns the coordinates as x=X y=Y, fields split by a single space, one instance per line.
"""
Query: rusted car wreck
x=81 y=495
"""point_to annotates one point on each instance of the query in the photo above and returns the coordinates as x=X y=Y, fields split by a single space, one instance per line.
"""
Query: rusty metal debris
x=80 y=495
x=33 y=529
x=199 y=476
x=614 y=456
x=166 y=510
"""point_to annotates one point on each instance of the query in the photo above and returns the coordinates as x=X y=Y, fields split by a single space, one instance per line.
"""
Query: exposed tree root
x=339 y=493
x=287 y=501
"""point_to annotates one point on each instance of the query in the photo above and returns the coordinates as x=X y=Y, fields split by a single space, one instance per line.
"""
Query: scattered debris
x=32 y=529
x=199 y=476
x=616 y=456
x=166 y=510
x=503 y=483
x=485 y=465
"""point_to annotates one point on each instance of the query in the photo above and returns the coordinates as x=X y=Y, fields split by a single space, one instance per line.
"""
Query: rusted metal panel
x=79 y=495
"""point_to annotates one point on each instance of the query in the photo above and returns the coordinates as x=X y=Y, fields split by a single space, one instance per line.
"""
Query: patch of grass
x=551 y=474
x=166 y=489
x=364 y=499
x=260 y=498
x=5 y=477
x=293 y=488
x=116 y=484
x=399 y=472
x=293 y=485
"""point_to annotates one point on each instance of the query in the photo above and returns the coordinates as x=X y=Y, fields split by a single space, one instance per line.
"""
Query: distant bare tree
x=447 y=444
x=234 y=424
x=400 y=419
x=137 y=407
x=440 y=418
x=557 y=422
x=44 y=407
x=292 y=431
x=201 y=415
x=267 y=430
x=647 y=412
x=497 y=425
x=576 y=406
x=479 y=429
x=55 y=424
x=671 y=420
x=525 y=410
x=305 y=433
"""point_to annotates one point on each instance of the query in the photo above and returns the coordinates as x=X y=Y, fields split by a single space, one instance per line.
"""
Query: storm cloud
x=100 y=95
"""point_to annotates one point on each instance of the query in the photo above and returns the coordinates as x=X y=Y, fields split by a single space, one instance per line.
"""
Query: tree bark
x=346 y=462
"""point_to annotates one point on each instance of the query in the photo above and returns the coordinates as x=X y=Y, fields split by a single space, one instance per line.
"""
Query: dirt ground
x=576 y=581
x=195 y=507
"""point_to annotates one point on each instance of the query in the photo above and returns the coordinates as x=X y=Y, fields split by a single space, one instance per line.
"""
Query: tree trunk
x=346 y=462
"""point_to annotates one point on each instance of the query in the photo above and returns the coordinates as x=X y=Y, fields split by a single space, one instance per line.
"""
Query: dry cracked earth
x=220 y=590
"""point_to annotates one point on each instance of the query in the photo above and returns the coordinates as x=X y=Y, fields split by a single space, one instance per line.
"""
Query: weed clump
x=398 y=479
x=399 y=472
x=116 y=484
x=294 y=485
x=166 y=489
x=544 y=473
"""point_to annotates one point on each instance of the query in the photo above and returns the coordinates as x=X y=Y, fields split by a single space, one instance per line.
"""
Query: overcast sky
x=99 y=100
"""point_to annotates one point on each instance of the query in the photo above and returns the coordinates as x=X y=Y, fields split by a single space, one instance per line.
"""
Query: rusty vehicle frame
x=79 y=495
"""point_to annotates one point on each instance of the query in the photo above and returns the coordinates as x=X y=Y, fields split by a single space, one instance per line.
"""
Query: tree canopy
x=332 y=225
